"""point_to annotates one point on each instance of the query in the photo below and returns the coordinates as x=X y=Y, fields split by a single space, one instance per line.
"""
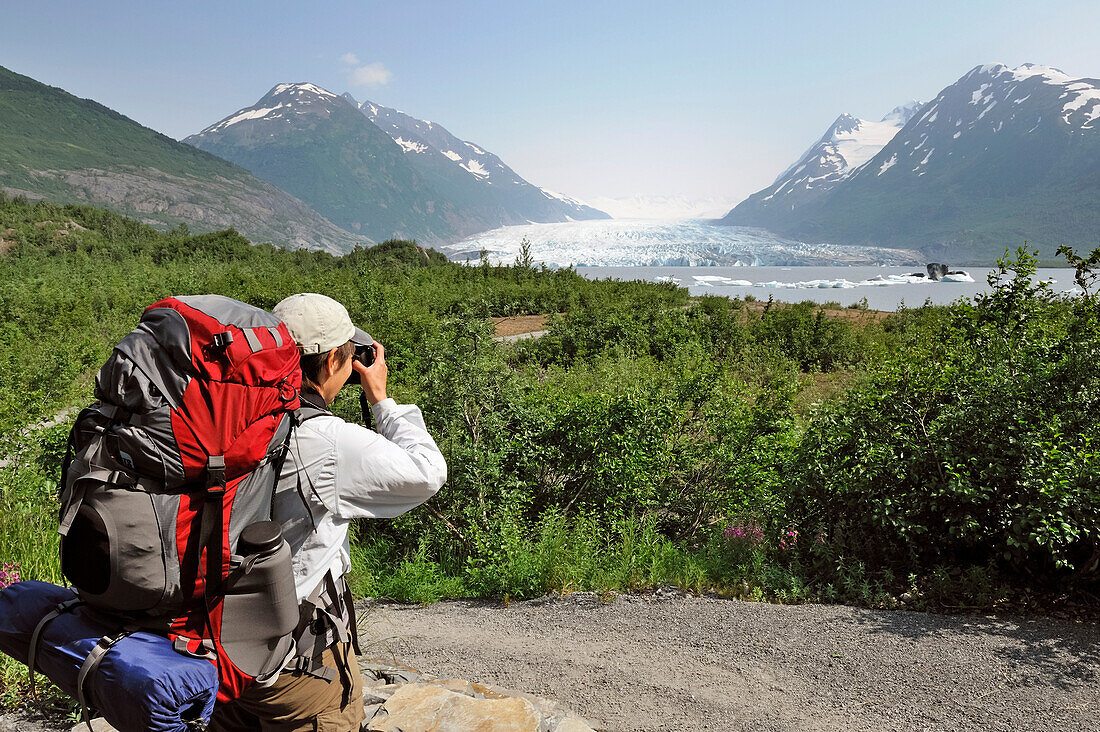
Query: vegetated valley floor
x=521 y=324
x=670 y=662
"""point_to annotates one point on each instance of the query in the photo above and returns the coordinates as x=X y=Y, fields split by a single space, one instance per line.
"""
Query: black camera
x=365 y=356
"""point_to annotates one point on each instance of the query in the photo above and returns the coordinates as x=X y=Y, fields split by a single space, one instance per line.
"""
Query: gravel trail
x=669 y=662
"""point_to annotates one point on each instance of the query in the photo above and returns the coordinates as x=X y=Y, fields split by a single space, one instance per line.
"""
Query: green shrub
x=979 y=453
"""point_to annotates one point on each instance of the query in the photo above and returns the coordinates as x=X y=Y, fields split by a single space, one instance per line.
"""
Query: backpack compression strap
x=213 y=518
x=320 y=625
x=36 y=636
x=90 y=666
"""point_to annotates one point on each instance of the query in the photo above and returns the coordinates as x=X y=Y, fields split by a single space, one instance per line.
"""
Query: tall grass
x=28 y=486
x=575 y=554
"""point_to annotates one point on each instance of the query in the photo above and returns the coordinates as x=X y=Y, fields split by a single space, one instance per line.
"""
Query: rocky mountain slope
x=485 y=191
x=846 y=145
x=56 y=146
x=1001 y=156
x=319 y=147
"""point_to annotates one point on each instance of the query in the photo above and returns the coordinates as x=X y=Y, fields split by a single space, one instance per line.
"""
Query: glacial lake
x=732 y=261
x=886 y=288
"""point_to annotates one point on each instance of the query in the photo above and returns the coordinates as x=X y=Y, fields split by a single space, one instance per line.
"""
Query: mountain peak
x=845 y=123
x=369 y=108
x=299 y=90
x=901 y=114
x=848 y=144
x=281 y=102
x=1023 y=71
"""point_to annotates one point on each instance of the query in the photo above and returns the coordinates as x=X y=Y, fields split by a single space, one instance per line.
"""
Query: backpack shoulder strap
x=308 y=411
x=312 y=405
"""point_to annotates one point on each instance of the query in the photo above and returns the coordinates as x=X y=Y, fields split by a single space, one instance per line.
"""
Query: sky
x=596 y=99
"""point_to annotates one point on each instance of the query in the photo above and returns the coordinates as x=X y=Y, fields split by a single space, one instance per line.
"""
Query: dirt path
x=686 y=663
x=519 y=325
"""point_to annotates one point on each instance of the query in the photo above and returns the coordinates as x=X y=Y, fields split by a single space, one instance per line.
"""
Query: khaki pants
x=298 y=702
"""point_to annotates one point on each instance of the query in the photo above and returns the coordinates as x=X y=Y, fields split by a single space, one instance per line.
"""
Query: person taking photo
x=334 y=472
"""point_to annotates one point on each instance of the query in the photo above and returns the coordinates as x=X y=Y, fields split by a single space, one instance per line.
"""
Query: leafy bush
x=977 y=453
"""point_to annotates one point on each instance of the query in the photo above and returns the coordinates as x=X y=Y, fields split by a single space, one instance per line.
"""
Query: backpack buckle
x=222 y=340
x=215 y=474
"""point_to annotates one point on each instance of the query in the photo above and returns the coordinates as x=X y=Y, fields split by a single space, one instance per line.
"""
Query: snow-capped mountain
x=486 y=192
x=846 y=145
x=284 y=101
x=1018 y=112
x=314 y=144
x=1001 y=156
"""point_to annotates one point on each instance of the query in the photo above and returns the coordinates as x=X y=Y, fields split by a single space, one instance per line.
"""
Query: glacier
x=697 y=243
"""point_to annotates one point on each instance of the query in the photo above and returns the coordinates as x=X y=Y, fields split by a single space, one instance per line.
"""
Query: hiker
x=335 y=471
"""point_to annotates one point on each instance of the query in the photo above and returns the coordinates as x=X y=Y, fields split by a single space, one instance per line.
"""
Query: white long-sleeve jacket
x=348 y=471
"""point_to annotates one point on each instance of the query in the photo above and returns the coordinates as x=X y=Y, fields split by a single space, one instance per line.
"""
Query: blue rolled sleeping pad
x=141 y=683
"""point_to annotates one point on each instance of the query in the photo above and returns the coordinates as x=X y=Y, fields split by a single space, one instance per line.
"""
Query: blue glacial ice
x=697 y=243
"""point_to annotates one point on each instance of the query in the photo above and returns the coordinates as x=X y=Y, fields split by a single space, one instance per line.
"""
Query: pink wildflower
x=747 y=532
x=9 y=574
x=789 y=540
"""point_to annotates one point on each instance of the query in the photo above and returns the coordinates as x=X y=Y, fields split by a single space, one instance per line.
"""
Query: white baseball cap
x=318 y=323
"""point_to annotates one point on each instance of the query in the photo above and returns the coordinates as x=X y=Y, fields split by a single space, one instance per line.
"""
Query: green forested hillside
x=946 y=453
x=47 y=128
x=56 y=146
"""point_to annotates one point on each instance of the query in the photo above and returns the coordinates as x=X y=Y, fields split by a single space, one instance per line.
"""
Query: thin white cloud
x=349 y=59
x=374 y=74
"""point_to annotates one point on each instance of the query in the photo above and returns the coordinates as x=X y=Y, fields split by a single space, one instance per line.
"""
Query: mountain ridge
x=313 y=143
x=486 y=185
x=378 y=171
x=1000 y=156
x=55 y=145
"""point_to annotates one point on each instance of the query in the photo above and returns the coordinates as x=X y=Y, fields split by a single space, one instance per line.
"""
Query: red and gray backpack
x=167 y=490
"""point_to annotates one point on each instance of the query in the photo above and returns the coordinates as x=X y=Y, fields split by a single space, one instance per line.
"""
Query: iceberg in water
x=718 y=280
x=876 y=281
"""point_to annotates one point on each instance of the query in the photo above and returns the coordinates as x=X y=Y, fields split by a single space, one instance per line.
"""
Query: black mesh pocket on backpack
x=86 y=552
x=113 y=552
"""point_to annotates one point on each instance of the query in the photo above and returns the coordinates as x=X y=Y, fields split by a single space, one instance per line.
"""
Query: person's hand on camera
x=373 y=377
